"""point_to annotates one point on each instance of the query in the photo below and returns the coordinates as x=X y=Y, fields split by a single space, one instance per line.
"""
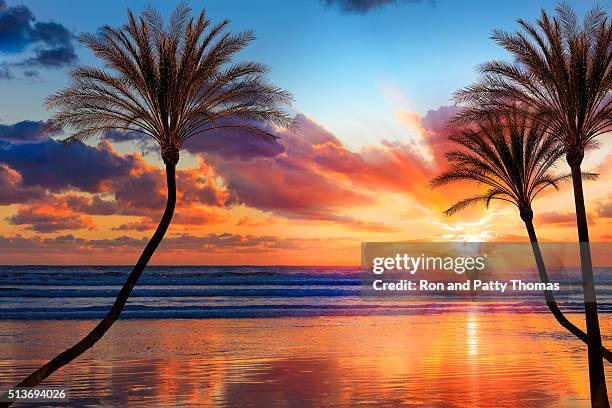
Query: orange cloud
x=45 y=218
x=310 y=184
x=315 y=176
x=556 y=218
x=187 y=218
x=184 y=249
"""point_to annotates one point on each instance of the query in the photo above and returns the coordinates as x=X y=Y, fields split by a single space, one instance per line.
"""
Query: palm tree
x=513 y=159
x=169 y=82
x=562 y=71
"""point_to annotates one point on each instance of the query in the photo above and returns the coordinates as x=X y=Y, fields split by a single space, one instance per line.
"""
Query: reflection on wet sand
x=452 y=360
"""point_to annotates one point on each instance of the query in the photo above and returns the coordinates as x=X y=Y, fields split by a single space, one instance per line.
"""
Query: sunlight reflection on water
x=472 y=334
x=454 y=360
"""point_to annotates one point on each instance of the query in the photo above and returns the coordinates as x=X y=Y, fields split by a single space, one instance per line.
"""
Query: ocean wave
x=78 y=292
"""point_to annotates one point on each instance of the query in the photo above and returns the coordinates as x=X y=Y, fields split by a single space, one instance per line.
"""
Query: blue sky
x=349 y=72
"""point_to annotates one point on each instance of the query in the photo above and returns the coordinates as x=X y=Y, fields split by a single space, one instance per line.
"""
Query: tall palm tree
x=169 y=82
x=512 y=157
x=562 y=71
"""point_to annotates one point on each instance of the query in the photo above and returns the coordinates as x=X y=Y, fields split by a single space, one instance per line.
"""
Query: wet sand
x=448 y=360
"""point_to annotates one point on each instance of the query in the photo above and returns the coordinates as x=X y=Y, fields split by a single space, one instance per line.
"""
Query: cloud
x=13 y=192
x=184 y=218
x=53 y=213
x=290 y=184
x=178 y=249
x=366 y=6
x=562 y=219
x=143 y=193
x=49 y=219
x=27 y=131
x=201 y=185
x=44 y=177
x=555 y=218
x=58 y=166
x=90 y=205
x=16 y=27
x=40 y=244
x=145 y=143
x=43 y=44
x=435 y=122
x=313 y=175
x=81 y=180
x=181 y=242
x=604 y=209
x=250 y=222
x=309 y=175
x=234 y=144
x=229 y=241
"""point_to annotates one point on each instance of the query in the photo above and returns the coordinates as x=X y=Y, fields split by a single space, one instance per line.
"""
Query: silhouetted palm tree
x=562 y=71
x=512 y=158
x=169 y=82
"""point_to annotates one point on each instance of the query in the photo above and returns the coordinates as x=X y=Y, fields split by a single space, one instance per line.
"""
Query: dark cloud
x=27 y=131
x=50 y=58
x=48 y=178
x=51 y=43
x=31 y=74
x=15 y=27
x=36 y=176
x=92 y=206
x=230 y=143
x=123 y=136
x=52 y=34
x=366 y=6
x=58 y=166
x=140 y=193
x=13 y=192
x=145 y=143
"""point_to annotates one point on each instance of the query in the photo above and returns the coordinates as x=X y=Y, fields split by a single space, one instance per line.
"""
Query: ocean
x=86 y=292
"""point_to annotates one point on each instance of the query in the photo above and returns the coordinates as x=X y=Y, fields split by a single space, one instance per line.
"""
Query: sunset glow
x=309 y=199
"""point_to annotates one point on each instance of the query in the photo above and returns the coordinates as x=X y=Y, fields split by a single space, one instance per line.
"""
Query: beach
x=326 y=203
x=444 y=360
x=290 y=336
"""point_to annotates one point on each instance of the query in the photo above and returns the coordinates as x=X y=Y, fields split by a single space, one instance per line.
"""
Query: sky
x=372 y=82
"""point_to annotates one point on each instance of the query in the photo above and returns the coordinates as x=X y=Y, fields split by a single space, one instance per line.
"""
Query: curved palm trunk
x=599 y=393
x=550 y=297
x=113 y=314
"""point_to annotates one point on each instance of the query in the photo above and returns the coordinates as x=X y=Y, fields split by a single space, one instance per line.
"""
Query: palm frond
x=509 y=153
x=170 y=82
x=561 y=74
